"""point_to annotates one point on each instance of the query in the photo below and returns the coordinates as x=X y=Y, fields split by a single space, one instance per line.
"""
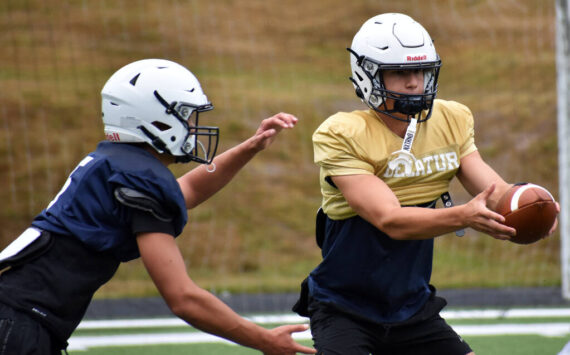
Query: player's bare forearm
x=207 y=313
x=373 y=200
x=201 y=183
x=204 y=311
x=198 y=307
x=165 y=265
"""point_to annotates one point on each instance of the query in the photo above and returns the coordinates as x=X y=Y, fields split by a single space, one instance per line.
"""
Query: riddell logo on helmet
x=113 y=137
x=416 y=58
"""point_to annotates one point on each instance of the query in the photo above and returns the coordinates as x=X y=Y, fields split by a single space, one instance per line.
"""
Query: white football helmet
x=393 y=42
x=157 y=101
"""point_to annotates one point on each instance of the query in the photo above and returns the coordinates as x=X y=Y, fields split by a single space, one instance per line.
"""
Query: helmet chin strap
x=404 y=156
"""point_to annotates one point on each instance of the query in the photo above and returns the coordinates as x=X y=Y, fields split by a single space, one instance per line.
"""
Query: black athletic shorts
x=335 y=333
x=20 y=334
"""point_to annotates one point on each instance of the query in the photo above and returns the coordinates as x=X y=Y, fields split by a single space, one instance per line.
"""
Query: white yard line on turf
x=506 y=313
x=84 y=342
x=81 y=342
x=544 y=329
x=293 y=318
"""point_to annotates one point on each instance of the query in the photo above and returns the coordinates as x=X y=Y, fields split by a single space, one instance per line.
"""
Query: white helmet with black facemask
x=394 y=42
x=157 y=101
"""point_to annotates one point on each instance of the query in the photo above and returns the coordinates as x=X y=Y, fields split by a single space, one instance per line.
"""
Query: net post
x=563 y=89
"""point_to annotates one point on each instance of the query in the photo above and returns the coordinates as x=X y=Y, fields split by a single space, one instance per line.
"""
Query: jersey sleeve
x=336 y=150
x=467 y=146
x=146 y=222
x=164 y=191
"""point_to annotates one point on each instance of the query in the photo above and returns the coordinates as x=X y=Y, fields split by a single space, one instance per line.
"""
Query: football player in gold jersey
x=381 y=172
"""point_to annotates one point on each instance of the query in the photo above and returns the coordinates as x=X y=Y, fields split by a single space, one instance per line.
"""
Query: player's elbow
x=394 y=232
x=178 y=306
x=386 y=217
x=390 y=225
x=182 y=304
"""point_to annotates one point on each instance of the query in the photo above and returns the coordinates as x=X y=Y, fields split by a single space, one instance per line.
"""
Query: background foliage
x=255 y=58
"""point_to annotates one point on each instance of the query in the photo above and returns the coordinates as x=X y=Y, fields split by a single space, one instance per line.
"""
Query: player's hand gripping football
x=555 y=225
x=269 y=128
x=479 y=217
x=283 y=343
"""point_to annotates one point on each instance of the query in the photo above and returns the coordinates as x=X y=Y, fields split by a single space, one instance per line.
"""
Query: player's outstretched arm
x=202 y=182
x=374 y=201
x=203 y=310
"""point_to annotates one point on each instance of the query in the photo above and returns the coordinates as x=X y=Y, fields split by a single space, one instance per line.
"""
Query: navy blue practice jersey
x=86 y=207
x=92 y=233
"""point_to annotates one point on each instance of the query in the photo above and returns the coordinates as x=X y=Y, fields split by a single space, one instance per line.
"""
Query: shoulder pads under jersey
x=135 y=199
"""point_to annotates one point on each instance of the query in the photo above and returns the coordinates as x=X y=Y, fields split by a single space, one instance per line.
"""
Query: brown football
x=530 y=209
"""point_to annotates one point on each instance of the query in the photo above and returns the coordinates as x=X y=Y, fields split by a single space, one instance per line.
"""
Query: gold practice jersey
x=358 y=142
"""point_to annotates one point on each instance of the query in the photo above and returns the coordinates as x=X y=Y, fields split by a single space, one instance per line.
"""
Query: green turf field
x=486 y=345
x=503 y=332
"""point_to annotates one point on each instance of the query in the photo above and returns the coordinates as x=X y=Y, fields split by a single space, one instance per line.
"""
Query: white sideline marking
x=544 y=329
x=84 y=342
x=177 y=322
x=132 y=323
x=293 y=318
x=507 y=313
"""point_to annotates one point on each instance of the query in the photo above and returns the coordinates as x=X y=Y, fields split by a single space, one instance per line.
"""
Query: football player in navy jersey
x=121 y=202
x=381 y=172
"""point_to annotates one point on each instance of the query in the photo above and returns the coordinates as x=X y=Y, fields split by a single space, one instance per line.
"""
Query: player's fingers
x=503 y=229
x=554 y=226
x=498 y=230
x=500 y=236
x=485 y=194
x=264 y=138
x=494 y=227
x=306 y=350
x=492 y=215
x=285 y=120
x=287 y=117
x=294 y=328
x=268 y=134
x=503 y=232
x=277 y=122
